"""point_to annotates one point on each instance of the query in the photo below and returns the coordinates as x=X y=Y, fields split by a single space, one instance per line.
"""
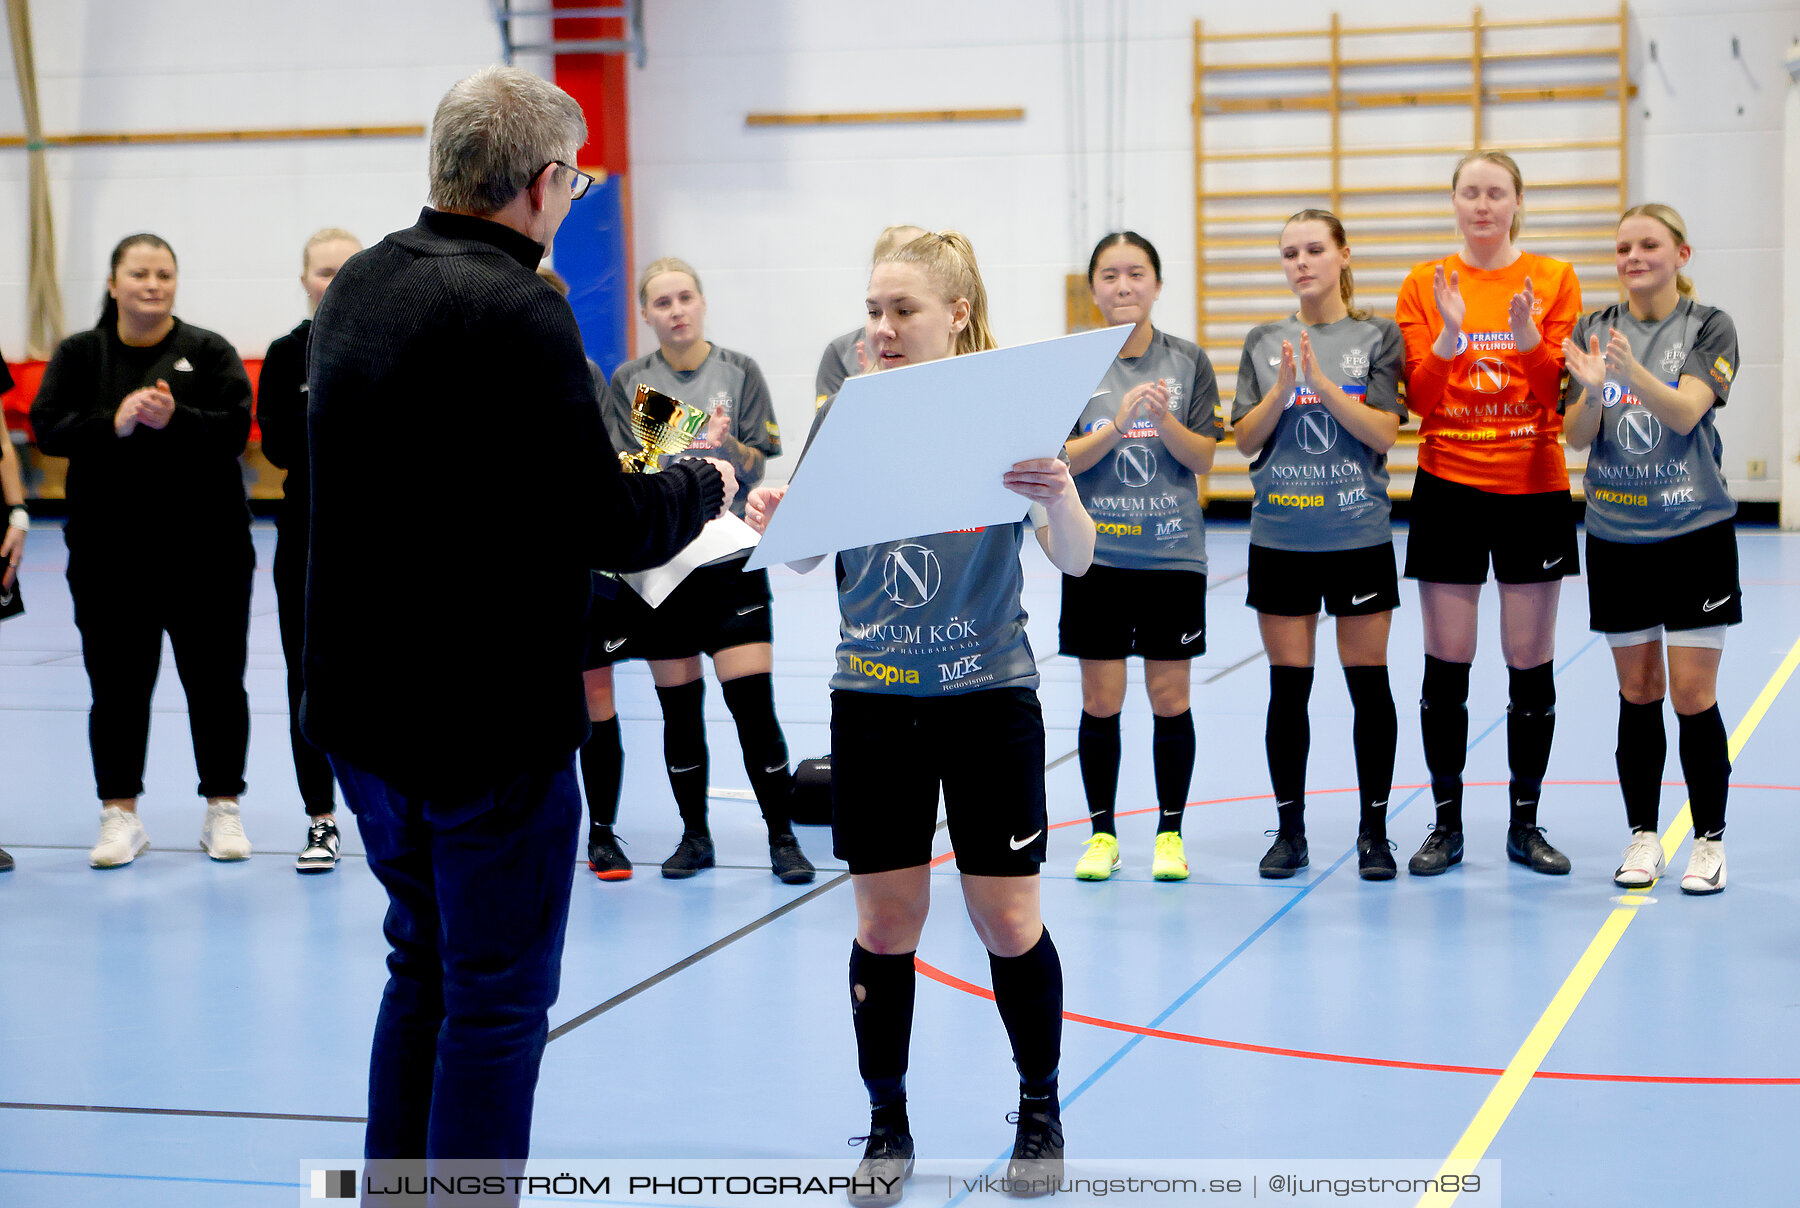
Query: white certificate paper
x=919 y=450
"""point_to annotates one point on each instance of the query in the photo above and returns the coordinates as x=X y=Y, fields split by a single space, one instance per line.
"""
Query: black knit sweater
x=462 y=487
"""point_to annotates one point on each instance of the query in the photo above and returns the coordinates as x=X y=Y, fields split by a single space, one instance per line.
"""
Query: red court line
x=957 y=983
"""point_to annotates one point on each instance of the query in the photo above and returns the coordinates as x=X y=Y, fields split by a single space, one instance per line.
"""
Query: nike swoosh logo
x=1355 y=600
x=744 y=612
x=612 y=646
x=1551 y=563
x=1189 y=637
x=1019 y=844
x=1096 y=813
x=1712 y=604
x=780 y=767
x=679 y=771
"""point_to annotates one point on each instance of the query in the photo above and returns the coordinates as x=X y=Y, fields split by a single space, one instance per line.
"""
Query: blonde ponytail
x=948 y=262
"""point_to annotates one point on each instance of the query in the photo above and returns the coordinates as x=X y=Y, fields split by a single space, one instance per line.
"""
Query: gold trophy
x=662 y=425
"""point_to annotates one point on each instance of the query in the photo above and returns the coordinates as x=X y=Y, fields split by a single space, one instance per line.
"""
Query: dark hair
x=1346 y=282
x=1114 y=240
x=109 y=306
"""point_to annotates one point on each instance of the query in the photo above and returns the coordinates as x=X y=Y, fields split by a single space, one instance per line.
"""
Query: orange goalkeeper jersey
x=1489 y=414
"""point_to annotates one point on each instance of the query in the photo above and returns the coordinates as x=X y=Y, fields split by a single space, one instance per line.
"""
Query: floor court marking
x=1492 y=1114
x=181 y=1111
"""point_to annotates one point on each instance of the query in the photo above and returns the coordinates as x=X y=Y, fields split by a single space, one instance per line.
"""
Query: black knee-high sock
x=1172 y=754
x=1530 y=725
x=1098 y=743
x=684 y=751
x=1375 y=733
x=881 y=1011
x=1643 y=749
x=1706 y=762
x=1028 y=990
x=1444 y=725
x=602 y=767
x=1287 y=737
x=751 y=699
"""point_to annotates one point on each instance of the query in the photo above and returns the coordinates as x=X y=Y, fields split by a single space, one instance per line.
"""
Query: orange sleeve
x=1416 y=313
x=1543 y=365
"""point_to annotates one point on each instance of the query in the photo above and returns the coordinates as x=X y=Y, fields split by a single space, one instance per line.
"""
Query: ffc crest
x=1355 y=363
x=1672 y=359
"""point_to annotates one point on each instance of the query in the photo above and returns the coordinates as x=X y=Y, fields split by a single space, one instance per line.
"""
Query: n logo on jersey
x=1489 y=376
x=1316 y=431
x=1639 y=432
x=1135 y=465
x=911 y=576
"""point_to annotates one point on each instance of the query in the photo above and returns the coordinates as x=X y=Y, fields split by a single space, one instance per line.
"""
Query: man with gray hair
x=445 y=629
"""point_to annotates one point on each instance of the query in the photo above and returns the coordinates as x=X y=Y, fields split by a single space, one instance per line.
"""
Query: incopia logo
x=334 y=1184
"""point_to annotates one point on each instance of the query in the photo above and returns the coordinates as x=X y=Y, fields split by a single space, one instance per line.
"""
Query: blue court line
x=1125 y=1049
x=149 y=1178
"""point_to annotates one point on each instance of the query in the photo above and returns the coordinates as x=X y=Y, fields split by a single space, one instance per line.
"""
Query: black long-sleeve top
x=281 y=414
x=185 y=476
x=445 y=610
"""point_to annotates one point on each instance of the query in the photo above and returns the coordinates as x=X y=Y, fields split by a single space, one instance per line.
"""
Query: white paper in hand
x=721 y=538
x=919 y=450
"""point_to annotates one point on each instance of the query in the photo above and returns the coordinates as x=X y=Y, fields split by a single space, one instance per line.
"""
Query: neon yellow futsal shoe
x=1100 y=860
x=1170 y=863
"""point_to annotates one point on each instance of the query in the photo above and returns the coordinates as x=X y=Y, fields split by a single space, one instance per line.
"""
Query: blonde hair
x=553 y=279
x=668 y=264
x=1346 y=282
x=1677 y=227
x=893 y=237
x=1512 y=169
x=948 y=262
x=325 y=235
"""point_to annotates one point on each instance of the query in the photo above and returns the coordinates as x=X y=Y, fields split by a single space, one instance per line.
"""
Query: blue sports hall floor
x=180 y=1032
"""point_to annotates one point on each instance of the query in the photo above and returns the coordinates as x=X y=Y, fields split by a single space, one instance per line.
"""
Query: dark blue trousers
x=478 y=903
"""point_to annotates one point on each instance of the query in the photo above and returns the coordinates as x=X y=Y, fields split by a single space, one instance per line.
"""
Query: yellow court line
x=1473 y=1144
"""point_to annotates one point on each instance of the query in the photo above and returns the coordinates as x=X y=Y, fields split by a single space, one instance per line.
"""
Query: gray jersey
x=1145 y=503
x=837 y=365
x=930 y=616
x=1317 y=487
x=724 y=377
x=1644 y=481
x=934 y=615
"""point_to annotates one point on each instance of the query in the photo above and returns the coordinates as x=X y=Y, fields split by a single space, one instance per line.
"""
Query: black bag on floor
x=812 y=793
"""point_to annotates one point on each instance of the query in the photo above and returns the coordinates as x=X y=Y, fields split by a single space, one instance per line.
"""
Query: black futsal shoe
x=788 y=862
x=693 y=853
x=604 y=856
x=1526 y=845
x=1441 y=849
x=1285 y=857
x=1036 y=1167
x=887 y=1163
x=1374 y=862
x=6 y=861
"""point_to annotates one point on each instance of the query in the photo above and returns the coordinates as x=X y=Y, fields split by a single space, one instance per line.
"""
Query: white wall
x=237 y=215
x=779 y=222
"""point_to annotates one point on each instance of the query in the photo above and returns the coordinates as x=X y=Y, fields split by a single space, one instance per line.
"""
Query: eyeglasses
x=578 y=187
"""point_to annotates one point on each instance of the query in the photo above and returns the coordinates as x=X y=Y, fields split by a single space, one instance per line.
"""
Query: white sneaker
x=222 y=835
x=1706 y=867
x=1642 y=862
x=122 y=837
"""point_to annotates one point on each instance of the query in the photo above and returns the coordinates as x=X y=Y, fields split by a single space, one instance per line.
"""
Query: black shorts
x=714 y=609
x=614 y=613
x=1111 y=613
x=1350 y=582
x=891 y=754
x=1685 y=582
x=1456 y=528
